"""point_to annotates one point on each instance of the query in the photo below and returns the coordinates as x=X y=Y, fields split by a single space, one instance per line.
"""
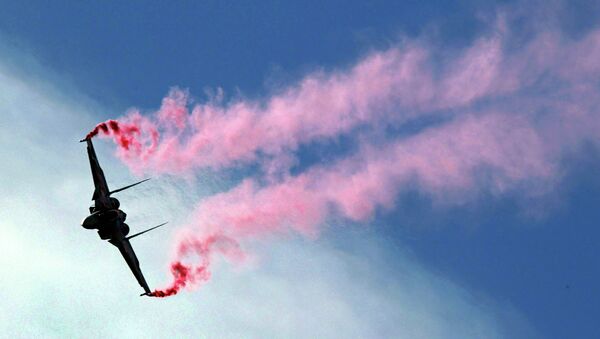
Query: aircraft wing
x=128 y=254
x=101 y=190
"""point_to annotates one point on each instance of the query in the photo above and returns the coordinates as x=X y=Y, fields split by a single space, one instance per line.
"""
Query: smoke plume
x=124 y=135
x=502 y=119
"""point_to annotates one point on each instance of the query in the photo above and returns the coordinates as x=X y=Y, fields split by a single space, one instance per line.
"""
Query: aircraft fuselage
x=110 y=223
x=109 y=220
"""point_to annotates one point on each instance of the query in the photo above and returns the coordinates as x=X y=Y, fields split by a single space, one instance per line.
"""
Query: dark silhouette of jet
x=109 y=220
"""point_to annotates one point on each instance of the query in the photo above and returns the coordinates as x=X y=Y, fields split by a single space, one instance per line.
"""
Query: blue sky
x=494 y=266
x=212 y=43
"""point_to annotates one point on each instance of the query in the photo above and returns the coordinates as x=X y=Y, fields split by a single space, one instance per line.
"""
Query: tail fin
x=126 y=187
x=148 y=230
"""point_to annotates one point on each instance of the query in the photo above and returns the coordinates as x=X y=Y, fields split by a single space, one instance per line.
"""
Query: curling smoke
x=505 y=119
x=184 y=275
x=123 y=134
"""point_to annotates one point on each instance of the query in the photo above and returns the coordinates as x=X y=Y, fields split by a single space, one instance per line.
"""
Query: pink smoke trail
x=524 y=109
x=387 y=87
x=320 y=106
x=444 y=160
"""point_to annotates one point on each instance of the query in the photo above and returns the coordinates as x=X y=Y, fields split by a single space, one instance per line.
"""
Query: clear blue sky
x=129 y=54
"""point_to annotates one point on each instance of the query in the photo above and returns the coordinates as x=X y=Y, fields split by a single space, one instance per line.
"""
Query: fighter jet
x=109 y=220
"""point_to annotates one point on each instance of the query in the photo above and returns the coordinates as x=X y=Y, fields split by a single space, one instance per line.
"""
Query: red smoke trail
x=124 y=134
x=184 y=275
x=181 y=275
x=510 y=115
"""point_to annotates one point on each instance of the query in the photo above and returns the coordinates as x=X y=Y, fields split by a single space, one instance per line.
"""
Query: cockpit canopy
x=115 y=203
